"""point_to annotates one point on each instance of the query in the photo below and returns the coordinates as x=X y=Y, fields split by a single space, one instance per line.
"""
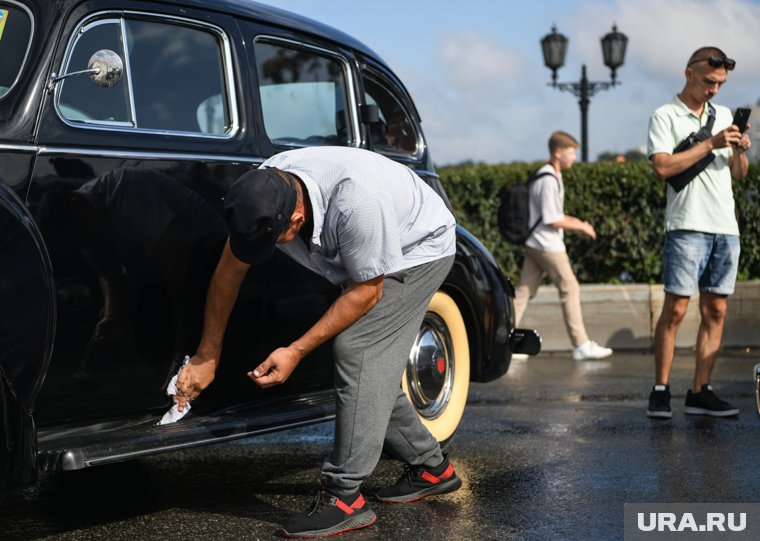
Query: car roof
x=279 y=17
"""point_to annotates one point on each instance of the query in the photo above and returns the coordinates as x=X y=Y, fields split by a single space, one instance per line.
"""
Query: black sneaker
x=328 y=516
x=706 y=402
x=659 y=402
x=417 y=482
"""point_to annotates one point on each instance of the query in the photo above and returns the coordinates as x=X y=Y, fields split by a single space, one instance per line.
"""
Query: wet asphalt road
x=551 y=451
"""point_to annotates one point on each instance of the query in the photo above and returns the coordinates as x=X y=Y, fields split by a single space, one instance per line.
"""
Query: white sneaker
x=519 y=356
x=590 y=351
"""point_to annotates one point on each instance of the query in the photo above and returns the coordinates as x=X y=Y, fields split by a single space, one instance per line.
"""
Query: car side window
x=16 y=27
x=395 y=131
x=175 y=78
x=81 y=100
x=303 y=95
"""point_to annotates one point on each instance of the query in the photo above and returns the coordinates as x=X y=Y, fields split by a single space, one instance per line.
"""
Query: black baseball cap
x=258 y=207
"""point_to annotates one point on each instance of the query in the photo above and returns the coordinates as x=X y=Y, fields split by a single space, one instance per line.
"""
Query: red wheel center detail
x=441 y=365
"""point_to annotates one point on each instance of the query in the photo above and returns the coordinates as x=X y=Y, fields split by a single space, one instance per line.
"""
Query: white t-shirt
x=547 y=201
x=371 y=215
x=706 y=204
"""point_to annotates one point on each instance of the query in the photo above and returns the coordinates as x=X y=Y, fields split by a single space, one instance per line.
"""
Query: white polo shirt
x=706 y=204
x=371 y=215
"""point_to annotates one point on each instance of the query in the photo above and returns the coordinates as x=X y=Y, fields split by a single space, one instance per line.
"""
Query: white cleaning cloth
x=174 y=415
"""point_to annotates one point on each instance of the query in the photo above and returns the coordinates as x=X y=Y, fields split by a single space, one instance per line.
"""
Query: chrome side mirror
x=108 y=68
x=105 y=69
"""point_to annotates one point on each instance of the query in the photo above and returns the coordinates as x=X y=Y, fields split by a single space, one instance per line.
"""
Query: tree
x=635 y=156
x=632 y=155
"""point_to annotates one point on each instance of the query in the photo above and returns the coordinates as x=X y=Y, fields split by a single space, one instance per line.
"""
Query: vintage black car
x=111 y=105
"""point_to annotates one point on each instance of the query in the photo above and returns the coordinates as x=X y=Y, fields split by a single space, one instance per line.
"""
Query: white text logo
x=714 y=522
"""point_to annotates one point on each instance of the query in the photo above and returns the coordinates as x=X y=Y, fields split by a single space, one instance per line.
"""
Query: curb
x=624 y=316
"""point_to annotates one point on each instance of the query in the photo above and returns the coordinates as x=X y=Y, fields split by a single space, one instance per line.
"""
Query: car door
x=127 y=190
x=305 y=95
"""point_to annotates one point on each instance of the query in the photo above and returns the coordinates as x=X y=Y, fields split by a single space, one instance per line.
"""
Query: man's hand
x=744 y=143
x=738 y=161
x=199 y=372
x=729 y=136
x=571 y=223
x=194 y=377
x=588 y=230
x=356 y=300
x=276 y=369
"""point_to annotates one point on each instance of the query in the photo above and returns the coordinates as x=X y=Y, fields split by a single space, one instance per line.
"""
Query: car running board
x=93 y=445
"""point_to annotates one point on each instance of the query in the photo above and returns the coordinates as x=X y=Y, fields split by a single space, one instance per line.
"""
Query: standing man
x=701 y=249
x=545 y=251
x=372 y=225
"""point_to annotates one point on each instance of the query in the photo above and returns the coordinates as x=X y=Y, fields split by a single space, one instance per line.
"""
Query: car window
x=395 y=131
x=303 y=95
x=80 y=99
x=175 y=78
x=15 y=37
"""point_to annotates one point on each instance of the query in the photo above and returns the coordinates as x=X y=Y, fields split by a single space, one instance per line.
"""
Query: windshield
x=15 y=37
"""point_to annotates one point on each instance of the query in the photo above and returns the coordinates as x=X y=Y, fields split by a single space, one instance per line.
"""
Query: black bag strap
x=707 y=128
x=534 y=177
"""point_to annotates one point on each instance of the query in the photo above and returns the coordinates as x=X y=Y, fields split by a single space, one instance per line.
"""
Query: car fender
x=27 y=328
x=489 y=312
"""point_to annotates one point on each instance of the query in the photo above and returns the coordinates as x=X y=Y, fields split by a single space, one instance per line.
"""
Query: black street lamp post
x=554 y=47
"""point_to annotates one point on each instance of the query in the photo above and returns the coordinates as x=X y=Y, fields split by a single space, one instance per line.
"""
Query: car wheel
x=437 y=375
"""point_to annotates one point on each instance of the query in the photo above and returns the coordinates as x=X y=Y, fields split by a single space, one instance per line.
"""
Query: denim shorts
x=704 y=261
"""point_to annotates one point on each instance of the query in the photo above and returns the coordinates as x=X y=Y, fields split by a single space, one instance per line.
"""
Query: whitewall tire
x=437 y=375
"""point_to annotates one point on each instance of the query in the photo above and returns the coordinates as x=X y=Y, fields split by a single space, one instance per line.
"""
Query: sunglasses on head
x=717 y=62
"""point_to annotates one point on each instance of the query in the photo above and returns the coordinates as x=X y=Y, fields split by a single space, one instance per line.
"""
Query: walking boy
x=545 y=251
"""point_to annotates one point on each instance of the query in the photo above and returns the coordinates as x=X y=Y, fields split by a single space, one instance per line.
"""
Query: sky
x=476 y=73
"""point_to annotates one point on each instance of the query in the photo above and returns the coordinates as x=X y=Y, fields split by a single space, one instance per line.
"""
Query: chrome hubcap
x=430 y=369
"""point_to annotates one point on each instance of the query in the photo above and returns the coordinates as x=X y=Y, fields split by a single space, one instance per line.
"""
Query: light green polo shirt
x=706 y=204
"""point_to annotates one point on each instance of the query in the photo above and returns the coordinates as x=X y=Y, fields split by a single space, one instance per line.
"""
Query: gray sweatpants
x=370 y=357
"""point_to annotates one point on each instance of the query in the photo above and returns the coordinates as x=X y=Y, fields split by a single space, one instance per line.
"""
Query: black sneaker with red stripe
x=418 y=482
x=329 y=515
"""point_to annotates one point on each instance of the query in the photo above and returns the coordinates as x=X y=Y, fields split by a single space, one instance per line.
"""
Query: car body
x=111 y=225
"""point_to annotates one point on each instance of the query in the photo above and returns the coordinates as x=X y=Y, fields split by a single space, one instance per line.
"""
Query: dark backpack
x=514 y=211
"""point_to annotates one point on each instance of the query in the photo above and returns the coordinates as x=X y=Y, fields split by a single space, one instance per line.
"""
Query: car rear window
x=15 y=37
x=303 y=95
x=395 y=130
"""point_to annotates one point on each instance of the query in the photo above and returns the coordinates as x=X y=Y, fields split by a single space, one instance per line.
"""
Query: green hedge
x=624 y=201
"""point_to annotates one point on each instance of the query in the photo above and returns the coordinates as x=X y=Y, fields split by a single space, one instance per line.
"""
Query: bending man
x=370 y=224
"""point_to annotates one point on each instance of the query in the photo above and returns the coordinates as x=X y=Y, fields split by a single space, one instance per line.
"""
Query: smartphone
x=741 y=116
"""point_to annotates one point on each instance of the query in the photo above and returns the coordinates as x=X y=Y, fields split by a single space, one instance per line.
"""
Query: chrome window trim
x=28 y=45
x=50 y=151
x=128 y=69
x=76 y=36
x=355 y=140
x=229 y=79
x=383 y=81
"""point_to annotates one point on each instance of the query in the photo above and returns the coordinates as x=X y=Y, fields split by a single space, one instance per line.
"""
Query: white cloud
x=470 y=60
x=483 y=99
x=663 y=34
x=469 y=98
